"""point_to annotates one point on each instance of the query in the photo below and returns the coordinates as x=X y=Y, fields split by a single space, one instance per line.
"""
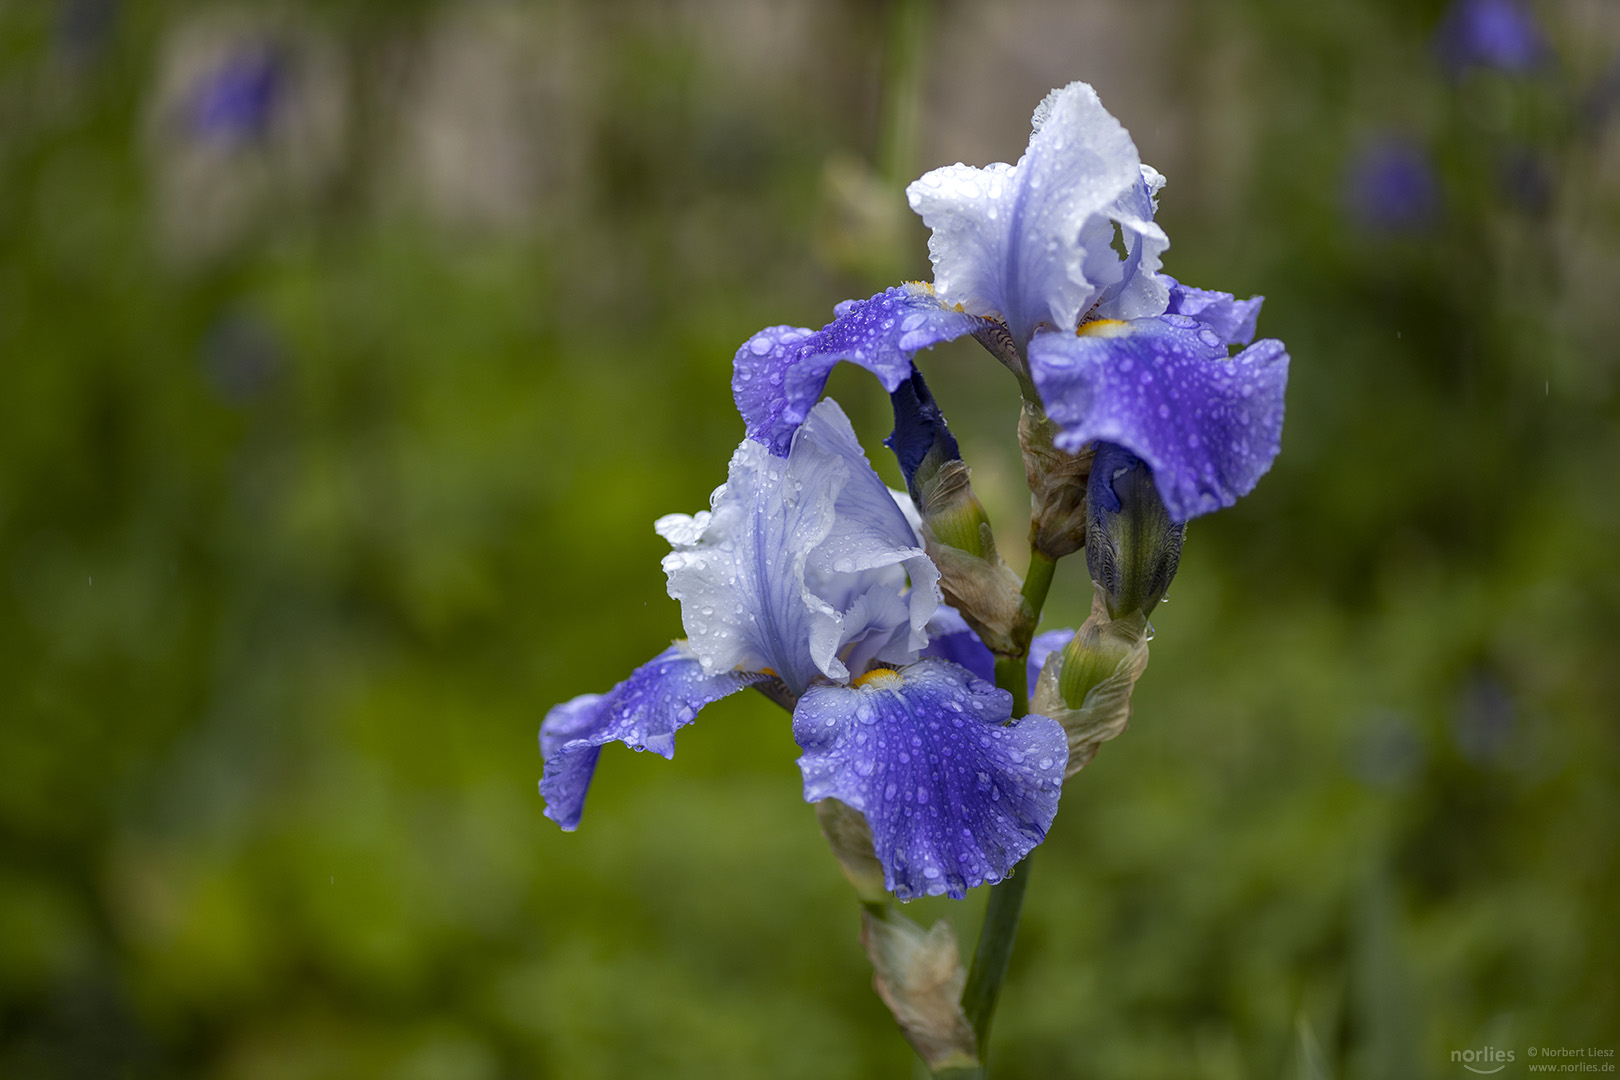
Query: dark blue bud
x=921 y=439
x=931 y=462
x=956 y=531
x=1132 y=545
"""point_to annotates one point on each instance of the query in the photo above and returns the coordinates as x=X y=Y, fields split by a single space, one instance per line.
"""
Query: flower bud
x=1132 y=545
x=936 y=477
x=1086 y=686
x=1057 y=485
x=956 y=531
x=850 y=838
x=919 y=976
x=1093 y=655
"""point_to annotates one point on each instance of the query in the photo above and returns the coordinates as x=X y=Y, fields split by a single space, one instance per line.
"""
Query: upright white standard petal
x=871 y=568
x=1032 y=243
x=1136 y=290
x=805 y=565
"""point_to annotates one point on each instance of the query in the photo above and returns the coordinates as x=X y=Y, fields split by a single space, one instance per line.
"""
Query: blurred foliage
x=338 y=412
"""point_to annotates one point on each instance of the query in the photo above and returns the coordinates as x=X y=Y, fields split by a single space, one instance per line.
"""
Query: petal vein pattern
x=1015 y=241
x=805 y=565
x=953 y=796
x=1208 y=425
x=643 y=712
x=779 y=373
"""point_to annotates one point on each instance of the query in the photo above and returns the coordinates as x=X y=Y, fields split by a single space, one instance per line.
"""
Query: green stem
x=1037 y=583
x=994 y=952
x=1011 y=677
x=1011 y=674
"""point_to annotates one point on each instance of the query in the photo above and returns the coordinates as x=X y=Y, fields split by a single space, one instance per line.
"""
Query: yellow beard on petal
x=1104 y=328
x=879 y=679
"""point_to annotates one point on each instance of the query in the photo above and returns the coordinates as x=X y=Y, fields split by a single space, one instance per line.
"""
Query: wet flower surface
x=807 y=575
x=1117 y=351
x=807 y=572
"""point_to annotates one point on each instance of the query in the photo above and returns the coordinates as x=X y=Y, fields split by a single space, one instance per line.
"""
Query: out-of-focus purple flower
x=809 y=572
x=1497 y=34
x=1391 y=186
x=236 y=100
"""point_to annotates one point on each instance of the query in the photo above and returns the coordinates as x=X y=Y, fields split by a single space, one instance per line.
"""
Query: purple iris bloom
x=237 y=99
x=780 y=371
x=808 y=572
x=1391 y=186
x=1497 y=34
x=1057 y=259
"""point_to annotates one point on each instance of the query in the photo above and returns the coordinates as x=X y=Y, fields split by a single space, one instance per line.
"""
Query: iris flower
x=807 y=578
x=1054 y=262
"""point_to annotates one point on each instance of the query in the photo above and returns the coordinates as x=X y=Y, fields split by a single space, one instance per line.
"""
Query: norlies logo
x=1484 y=1061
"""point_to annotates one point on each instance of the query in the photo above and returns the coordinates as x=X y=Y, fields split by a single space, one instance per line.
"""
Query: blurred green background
x=351 y=349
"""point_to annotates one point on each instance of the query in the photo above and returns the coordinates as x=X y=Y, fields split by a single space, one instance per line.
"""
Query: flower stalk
x=1005 y=906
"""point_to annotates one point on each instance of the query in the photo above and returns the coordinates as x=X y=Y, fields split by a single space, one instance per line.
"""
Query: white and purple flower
x=807 y=570
x=1116 y=351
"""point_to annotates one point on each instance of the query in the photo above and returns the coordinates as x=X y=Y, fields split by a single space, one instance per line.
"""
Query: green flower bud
x=1086 y=686
x=1057 y=485
x=973 y=576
